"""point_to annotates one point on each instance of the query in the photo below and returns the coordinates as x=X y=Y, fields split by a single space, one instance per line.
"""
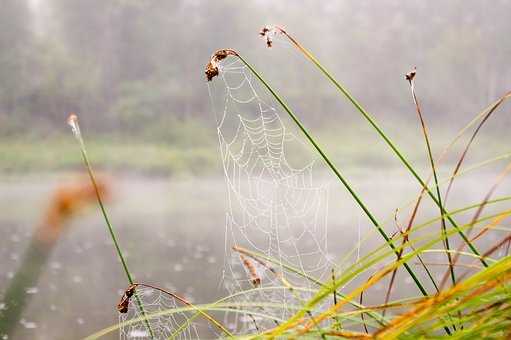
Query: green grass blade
x=387 y=140
x=335 y=170
x=73 y=122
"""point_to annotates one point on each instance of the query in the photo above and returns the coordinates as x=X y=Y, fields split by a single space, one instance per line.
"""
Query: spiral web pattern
x=275 y=208
x=170 y=325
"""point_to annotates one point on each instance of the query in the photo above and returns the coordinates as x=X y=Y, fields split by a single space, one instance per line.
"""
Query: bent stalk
x=212 y=70
x=73 y=122
x=372 y=122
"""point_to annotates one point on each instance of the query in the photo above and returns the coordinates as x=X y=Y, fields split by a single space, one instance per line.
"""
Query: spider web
x=275 y=206
x=176 y=325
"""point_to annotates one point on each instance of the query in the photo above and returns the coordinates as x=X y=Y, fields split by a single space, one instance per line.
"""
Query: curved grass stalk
x=461 y=173
x=221 y=307
x=487 y=113
x=450 y=179
x=431 y=221
x=212 y=70
x=405 y=234
x=231 y=307
x=297 y=318
x=187 y=303
x=481 y=164
x=481 y=282
x=410 y=77
x=426 y=237
x=487 y=197
x=73 y=122
x=185 y=324
x=373 y=123
x=462 y=253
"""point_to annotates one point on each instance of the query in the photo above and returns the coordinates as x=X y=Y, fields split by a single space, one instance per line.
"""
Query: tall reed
x=75 y=127
x=268 y=31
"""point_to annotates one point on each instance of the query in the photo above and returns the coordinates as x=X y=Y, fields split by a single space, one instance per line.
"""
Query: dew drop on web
x=32 y=290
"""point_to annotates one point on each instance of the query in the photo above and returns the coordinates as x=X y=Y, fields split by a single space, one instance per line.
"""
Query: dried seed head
x=212 y=69
x=268 y=32
x=130 y=291
x=410 y=75
x=249 y=266
x=122 y=306
x=265 y=30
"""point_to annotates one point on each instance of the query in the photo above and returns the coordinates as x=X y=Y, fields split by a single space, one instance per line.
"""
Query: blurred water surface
x=173 y=232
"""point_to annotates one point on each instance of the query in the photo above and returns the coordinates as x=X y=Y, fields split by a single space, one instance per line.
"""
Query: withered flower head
x=249 y=266
x=268 y=32
x=130 y=291
x=122 y=306
x=265 y=30
x=410 y=75
x=212 y=66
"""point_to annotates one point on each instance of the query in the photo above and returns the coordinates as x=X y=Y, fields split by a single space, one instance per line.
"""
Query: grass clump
x=476 y=302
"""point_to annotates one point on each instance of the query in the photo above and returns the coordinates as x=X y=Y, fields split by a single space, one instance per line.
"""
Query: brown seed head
x=212 y=66
x=122 y=306
x=264 y=30
x=252 y=271
x=130 y=291
x=268 y=32
x=410 y=75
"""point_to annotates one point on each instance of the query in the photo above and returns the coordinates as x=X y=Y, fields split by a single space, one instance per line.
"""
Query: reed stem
x=336 y=172
x=387 y=140
x=73 y=122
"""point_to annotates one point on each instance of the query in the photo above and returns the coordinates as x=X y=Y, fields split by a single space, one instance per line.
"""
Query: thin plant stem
x=405 y=235
x=387 y=140
x=487 y=113
x=73 y=122
x=336 y=319
x=474 y=220
x=410 y=77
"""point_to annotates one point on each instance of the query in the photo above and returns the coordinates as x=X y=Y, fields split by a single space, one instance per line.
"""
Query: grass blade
x=73 y=122
x=387 y=140
x=410 y=77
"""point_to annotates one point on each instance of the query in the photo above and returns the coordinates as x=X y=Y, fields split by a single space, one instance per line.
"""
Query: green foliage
x=125 y=60
x=57 y=154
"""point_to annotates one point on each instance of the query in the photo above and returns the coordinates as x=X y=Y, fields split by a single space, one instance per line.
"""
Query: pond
x=173 y=232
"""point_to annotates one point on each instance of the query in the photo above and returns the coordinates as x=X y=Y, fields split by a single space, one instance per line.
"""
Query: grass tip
x=72 y=121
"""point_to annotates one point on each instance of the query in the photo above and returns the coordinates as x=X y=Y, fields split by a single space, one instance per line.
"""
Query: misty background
x=133 y=71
